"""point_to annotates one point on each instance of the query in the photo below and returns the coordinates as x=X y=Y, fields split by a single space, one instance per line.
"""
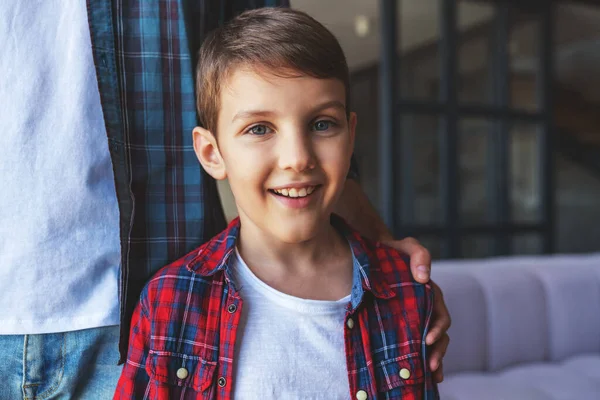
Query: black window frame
x=392 y=105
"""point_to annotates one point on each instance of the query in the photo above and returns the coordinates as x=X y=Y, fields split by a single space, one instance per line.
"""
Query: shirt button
x=182 y=373
x=350 y=323
x=404 y=373
x=361 y=395
x=222 y=382
x=232 y=308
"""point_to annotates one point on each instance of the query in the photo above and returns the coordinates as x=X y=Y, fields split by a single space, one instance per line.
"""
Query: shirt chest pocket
x=180 y=376
x=402 y=377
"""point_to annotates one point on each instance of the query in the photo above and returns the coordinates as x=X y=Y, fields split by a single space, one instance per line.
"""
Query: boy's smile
x=284 y=141
x=296 y=195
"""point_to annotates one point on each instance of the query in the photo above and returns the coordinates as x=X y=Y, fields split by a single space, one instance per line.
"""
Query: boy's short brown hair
x=284 y=41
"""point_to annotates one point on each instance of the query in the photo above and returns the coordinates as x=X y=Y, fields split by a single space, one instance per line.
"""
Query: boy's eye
x=259 y=130
x=322 y=125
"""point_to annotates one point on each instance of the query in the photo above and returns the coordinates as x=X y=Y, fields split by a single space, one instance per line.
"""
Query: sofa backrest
x=515 y=310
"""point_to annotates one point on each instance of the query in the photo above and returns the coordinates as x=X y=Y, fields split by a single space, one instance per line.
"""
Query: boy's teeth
x=293 y=192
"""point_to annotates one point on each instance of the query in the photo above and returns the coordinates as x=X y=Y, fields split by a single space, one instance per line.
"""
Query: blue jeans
x=70 y=365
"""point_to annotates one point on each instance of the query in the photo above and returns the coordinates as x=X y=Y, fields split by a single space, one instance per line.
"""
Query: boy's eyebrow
x=252 y=113
x=331 y=104
x=264 y=113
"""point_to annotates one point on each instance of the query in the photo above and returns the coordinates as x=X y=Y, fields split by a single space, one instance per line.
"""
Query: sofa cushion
x=573 y=303
x=470 y=352
x=520 y=310
x=575 y=378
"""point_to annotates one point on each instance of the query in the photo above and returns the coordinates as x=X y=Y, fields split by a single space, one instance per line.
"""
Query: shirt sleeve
x=134 y=378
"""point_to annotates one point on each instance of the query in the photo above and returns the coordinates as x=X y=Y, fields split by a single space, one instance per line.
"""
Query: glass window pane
x=530 y=243
x=577 y=48
x=577 y=207
x=433 y=245
x=477 y=52
x=418 y=39
x=577 y=98
x=474 y=80
x=474 y=64
x=524 y=60
x=418 y=174
x=525 y=197
x=477 y=246
x=473 y=148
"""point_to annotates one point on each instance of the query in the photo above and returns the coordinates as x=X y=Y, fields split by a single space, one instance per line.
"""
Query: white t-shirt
x=287 y=347
x=59 y=217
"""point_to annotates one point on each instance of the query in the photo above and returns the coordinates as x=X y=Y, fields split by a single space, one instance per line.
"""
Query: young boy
x=288 y=302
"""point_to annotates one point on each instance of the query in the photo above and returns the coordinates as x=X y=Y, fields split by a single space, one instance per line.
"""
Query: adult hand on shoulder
x=437 y=338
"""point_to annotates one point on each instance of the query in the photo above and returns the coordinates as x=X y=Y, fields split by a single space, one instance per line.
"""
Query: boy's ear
x=207 y=151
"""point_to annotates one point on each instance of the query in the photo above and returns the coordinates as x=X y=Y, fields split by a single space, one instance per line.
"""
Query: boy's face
x=285 y=146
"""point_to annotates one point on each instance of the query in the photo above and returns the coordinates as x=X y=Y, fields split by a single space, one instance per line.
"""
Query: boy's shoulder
x=385 y=262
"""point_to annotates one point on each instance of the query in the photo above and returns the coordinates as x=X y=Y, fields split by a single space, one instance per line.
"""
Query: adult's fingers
x=420 y=259
x=437 y=352
x=441 y=317
x=438 y=374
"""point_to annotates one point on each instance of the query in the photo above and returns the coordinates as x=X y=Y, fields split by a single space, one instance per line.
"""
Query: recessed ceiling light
x=362 y=26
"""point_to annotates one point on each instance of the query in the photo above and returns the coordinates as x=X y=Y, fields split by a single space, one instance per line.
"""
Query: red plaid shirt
x=184 y=328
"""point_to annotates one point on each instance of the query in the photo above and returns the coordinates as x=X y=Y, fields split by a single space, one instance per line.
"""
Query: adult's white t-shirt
x=59 y=219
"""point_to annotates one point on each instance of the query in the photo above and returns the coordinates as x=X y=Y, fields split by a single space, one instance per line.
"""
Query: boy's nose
x=296 y=152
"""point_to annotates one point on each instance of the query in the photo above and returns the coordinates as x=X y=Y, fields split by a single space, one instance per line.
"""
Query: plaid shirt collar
x=215 y=256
